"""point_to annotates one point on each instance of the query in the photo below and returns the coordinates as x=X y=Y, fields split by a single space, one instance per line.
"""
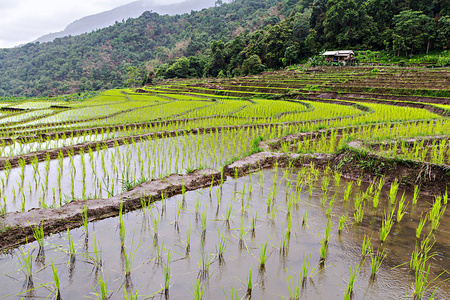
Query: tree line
x=399 y=27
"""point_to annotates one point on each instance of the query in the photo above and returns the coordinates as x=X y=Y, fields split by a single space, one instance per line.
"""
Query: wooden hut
x=343 y=56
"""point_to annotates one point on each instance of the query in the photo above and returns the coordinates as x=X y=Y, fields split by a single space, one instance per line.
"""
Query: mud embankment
x=8 y=162
x=355 y=163
x=17 y=228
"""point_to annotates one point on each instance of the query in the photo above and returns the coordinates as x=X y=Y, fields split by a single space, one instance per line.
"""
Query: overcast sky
x=22 y=21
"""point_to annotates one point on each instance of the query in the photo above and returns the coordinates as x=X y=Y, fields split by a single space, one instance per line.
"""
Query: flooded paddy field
x=317 y=184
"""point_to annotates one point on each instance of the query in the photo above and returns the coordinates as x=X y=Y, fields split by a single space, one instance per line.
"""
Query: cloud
x=23 y=21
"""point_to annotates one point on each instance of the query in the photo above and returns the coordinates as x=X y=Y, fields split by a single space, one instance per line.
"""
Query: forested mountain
x=100 y=59
x=240 y=37
x=131 y=10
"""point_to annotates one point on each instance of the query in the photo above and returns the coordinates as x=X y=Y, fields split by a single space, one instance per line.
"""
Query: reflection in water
x=248 y=197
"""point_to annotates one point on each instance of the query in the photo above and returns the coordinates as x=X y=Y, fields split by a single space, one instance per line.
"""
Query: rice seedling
x=325 y=183
x=376 y=259
x=178 y=207
x=223 y=243
x=122 y=231
x=330 y=206
x=204 y=263
x=38 y=233
x=72 y=249
x=351 y=282
x=386 y=226
x=422 y=284
x=348 y=190
x=273 y=213
x=416 y=194
x=97 y=251
x=323 y=249
x=203 y=220
x=254 y=220
x=167 y=275
x=199 y=290
x=393 y=191
x=284 y=240
x=289 y=205
x=3 y=208
x=305 y=219
x=155 y=223
x=436 y=213
x=420 y=226
x=229 y=211
x=234 y=294
x=56 y=282
x=102 y=284
x=401 y=209
x=130 y=294
x=188 y=237
x=337 y=179
x=294 y=286
x=263 y=254
x=25 y=261
x=366 y=246
x=249 y=280
x=359 y=214
x=197 y=207
x=159 y=250
x=242 y=232
x=376 y=198
x=305 y=268
x=342 y=222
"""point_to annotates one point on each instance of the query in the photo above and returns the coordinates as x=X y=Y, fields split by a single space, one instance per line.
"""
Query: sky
x=23 y=21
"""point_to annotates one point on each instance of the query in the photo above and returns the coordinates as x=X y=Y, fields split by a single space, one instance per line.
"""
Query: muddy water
x=78 y=275
x=103 y=173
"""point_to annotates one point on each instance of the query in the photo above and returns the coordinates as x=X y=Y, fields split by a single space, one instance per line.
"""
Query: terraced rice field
x=321 y=184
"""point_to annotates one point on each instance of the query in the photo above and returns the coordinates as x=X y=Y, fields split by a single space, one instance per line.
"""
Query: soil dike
x=355 y=163
x=264 y=160
x=16 y=228
x=13 y=161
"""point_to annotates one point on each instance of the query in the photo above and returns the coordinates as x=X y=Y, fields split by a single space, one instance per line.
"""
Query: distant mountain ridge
x=131 y=10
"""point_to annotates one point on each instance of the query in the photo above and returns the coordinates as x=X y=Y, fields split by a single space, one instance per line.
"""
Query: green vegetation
x=317 y=128
x=240 y=37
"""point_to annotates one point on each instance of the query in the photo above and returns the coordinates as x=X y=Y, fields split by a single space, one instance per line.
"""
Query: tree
x=348 y=24
x=444 y=32
x=276 y=40
x=413 y=30
x=290 y=55
x=133 y=77
x=252 y=65
x=216 y=59
x=180 y=69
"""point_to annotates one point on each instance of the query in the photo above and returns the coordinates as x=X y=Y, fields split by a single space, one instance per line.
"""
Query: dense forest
x=232 y=38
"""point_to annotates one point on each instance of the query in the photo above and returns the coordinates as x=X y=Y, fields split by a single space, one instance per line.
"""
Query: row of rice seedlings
x=366 y=245
x=126 y=158
x=328 y=142
x=437 y=152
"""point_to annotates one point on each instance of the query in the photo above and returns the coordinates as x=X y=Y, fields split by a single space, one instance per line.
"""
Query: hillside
x=230 y=39
x=100 y=59
x=131 y=10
